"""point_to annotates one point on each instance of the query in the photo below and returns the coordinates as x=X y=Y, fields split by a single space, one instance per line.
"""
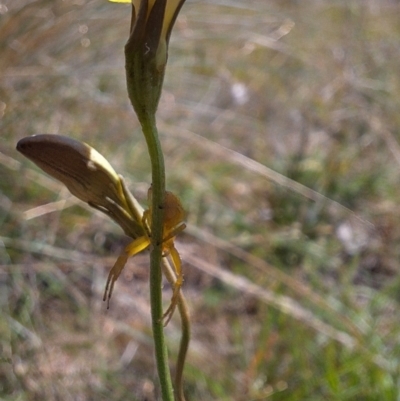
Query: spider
x=174 y=216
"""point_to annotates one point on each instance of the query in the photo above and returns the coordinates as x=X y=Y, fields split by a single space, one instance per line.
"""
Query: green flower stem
x=145 y=59
x=157 y=214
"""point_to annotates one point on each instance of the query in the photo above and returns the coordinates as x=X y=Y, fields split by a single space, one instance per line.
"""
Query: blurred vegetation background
x=280 y=124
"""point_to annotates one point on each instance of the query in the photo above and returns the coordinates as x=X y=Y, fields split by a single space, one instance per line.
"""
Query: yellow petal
x=170 y=15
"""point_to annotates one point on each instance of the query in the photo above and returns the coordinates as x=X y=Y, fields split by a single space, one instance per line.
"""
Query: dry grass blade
x=239 y=159
x=281 y=302
x=272 y=272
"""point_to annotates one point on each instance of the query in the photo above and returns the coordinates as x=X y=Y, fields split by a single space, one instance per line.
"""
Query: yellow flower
x=146 y=51
x=158 y=12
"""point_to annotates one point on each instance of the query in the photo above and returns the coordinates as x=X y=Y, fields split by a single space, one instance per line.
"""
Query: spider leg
x=113 y=276
x=176 y=260
x=131 y=250
x=173 y=233
x=137 y=246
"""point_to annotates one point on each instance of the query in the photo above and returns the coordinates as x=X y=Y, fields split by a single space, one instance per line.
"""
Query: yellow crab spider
x=174 y=216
